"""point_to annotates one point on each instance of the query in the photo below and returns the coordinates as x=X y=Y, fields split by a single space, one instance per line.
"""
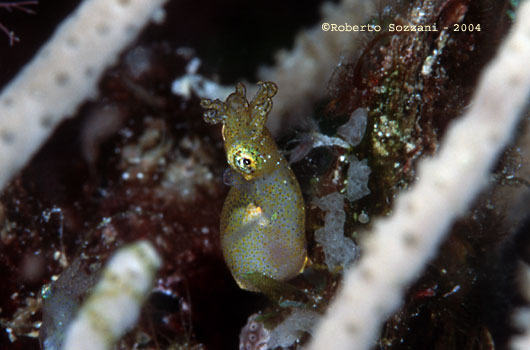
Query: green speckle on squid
x=263 y=217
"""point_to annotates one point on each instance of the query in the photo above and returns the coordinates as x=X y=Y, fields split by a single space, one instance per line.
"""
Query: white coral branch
x=522 y=316
x=115 y=304
x=402 y=244
x=64 y=73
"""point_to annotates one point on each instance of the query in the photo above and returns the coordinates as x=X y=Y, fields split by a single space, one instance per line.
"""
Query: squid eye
x=245 y=163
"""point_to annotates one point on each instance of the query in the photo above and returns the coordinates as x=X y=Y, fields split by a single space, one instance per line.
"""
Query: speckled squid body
x=262 y=221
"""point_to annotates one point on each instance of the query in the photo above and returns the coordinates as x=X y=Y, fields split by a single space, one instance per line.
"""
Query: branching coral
x=63 y=74
x=115 y=304
x=401 y=245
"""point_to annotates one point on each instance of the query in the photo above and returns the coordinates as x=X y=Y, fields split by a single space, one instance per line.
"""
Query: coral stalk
x=63 y=74
x=522 y=316
x=402 y=244
x=115 y=304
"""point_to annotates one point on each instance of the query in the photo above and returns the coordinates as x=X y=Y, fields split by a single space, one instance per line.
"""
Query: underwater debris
x=198 y=84
x=312 y=140
x=290 y=330
x=351 y=134
x=357 y=182
x=339 y=250
x=23 y=321
x=354 y=129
